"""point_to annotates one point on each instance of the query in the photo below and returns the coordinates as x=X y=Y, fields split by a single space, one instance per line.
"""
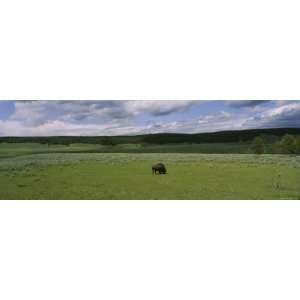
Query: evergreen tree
x=258 y=145
x=287 y=144
x=297 y=144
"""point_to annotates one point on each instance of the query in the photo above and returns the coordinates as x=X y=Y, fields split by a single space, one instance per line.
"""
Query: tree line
x=288 y=144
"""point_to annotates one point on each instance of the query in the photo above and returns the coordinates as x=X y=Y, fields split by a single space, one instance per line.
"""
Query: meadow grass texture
x=14 y=149
x=129 y=176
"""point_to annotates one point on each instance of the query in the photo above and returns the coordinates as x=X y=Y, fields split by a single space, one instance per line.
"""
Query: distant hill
x=233 y=136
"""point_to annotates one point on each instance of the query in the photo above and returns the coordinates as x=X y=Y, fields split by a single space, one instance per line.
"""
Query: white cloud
x=38 y=112
x=56 y=128
x=157 y=108
x=286 y=115
x=42 y=118
x=85 y=117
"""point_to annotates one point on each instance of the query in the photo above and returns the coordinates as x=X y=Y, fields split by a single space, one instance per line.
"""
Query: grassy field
x=14 y=149
x=30 y=172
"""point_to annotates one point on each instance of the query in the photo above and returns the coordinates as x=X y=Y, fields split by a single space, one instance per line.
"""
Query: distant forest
x=237 y=136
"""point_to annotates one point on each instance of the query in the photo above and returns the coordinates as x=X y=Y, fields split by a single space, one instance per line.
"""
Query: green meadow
x=14 y=149
x=83 y=171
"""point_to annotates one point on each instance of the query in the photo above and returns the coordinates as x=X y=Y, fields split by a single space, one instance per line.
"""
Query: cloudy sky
x=41 y=118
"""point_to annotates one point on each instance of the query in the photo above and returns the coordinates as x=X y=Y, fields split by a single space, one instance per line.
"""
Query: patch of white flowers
x=43 y=160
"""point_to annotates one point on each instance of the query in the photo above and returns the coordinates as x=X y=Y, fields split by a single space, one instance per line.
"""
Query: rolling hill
x=235 y=136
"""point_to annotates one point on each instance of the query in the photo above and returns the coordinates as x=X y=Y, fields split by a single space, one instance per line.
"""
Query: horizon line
x=157 y=133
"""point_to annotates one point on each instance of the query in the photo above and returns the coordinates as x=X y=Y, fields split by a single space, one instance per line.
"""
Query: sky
x=49 y=118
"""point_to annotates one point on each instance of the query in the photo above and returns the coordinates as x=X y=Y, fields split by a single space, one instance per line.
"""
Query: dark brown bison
x=160 y=168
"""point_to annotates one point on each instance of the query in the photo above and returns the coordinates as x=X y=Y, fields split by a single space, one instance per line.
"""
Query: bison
x=160 y=168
